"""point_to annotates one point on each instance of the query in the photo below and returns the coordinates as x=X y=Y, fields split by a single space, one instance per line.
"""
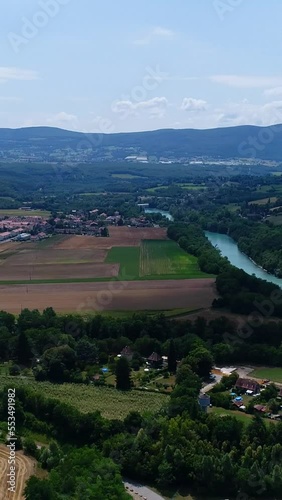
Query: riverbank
x=229 y=248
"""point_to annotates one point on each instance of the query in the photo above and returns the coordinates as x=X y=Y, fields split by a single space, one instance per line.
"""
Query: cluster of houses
x=22 y=228
x=253 y=388
x=155 y=361
x=95 y=224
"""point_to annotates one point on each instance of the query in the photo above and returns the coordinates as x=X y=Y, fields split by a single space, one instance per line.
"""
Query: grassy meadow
x=273 y=374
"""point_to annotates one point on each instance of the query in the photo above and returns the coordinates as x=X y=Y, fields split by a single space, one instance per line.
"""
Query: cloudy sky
x=123 y=65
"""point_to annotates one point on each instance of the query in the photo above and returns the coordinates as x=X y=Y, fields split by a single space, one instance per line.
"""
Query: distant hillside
x=239 y=142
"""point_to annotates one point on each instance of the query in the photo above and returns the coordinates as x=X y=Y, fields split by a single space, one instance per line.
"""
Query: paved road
x=209 y=386
x=142 y=491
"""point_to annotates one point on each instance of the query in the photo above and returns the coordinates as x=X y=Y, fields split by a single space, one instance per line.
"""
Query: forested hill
x=239 y=142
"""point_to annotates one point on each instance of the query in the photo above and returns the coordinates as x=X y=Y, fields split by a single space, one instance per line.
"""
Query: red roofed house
x=247 y=385
x=155 y=360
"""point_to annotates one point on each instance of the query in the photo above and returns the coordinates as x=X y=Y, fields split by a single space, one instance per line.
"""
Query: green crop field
x=273 y=374
x=155 y=260
x=165 y=259
x=128 y=258
x=87 y=398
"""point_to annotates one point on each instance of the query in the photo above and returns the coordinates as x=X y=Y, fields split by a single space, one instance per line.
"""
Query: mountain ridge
x=244 y=141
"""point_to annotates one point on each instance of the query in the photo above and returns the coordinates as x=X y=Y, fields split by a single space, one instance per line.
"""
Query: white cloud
x=155 y=107
x=245 y=113
x=275 y=92
x=11 y=73
x=156 y=33
x=191 y=104
x=245 y=81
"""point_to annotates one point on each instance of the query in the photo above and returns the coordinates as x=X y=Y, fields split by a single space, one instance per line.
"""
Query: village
x=95 y=223
x=23 y=228
x=28 y=227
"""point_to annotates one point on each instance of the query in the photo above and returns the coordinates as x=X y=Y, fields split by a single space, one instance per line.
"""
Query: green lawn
x=273 y=374
x=243 y=417
x=87 y=398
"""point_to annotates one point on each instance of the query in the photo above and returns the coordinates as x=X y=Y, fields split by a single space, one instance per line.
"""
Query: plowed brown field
x=119 y=237
x=113 y=295
x=25 y=467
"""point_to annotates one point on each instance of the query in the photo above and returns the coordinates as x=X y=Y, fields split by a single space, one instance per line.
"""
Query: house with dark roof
x=155 y=361
x=127 y=353
x=247 y=384
x=260 y=408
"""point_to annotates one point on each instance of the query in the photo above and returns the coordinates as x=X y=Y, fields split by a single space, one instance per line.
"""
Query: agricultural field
x=127 y=259
x=25 y=467
x=273 y=374
x=163 y=260
x=127 y=176
x=24 y=213
x=114 y=295
x=264 y=201
x=188 y=186
x=276 y=220
x=133 y=269
x=86 y=398
x=192 y=187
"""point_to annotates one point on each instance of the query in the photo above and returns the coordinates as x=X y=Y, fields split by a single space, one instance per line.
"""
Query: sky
x=118 y=66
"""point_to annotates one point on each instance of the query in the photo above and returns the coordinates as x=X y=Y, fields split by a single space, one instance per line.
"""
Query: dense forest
x=179 y=446
x=217 y=143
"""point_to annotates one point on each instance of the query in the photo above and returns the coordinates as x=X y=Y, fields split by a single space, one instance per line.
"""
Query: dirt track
x=115 y=296
x=25 y=467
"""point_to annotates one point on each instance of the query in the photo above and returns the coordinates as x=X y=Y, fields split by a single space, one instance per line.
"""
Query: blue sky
x=127 y=66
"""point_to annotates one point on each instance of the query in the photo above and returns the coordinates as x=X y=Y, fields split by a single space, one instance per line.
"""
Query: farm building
x=155 y=361
x=247 y=385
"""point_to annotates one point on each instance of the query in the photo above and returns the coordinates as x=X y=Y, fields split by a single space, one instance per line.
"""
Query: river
x=229 y=249
x=157 y=211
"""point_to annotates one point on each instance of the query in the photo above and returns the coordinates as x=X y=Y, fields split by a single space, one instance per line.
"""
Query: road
x=139 y=491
